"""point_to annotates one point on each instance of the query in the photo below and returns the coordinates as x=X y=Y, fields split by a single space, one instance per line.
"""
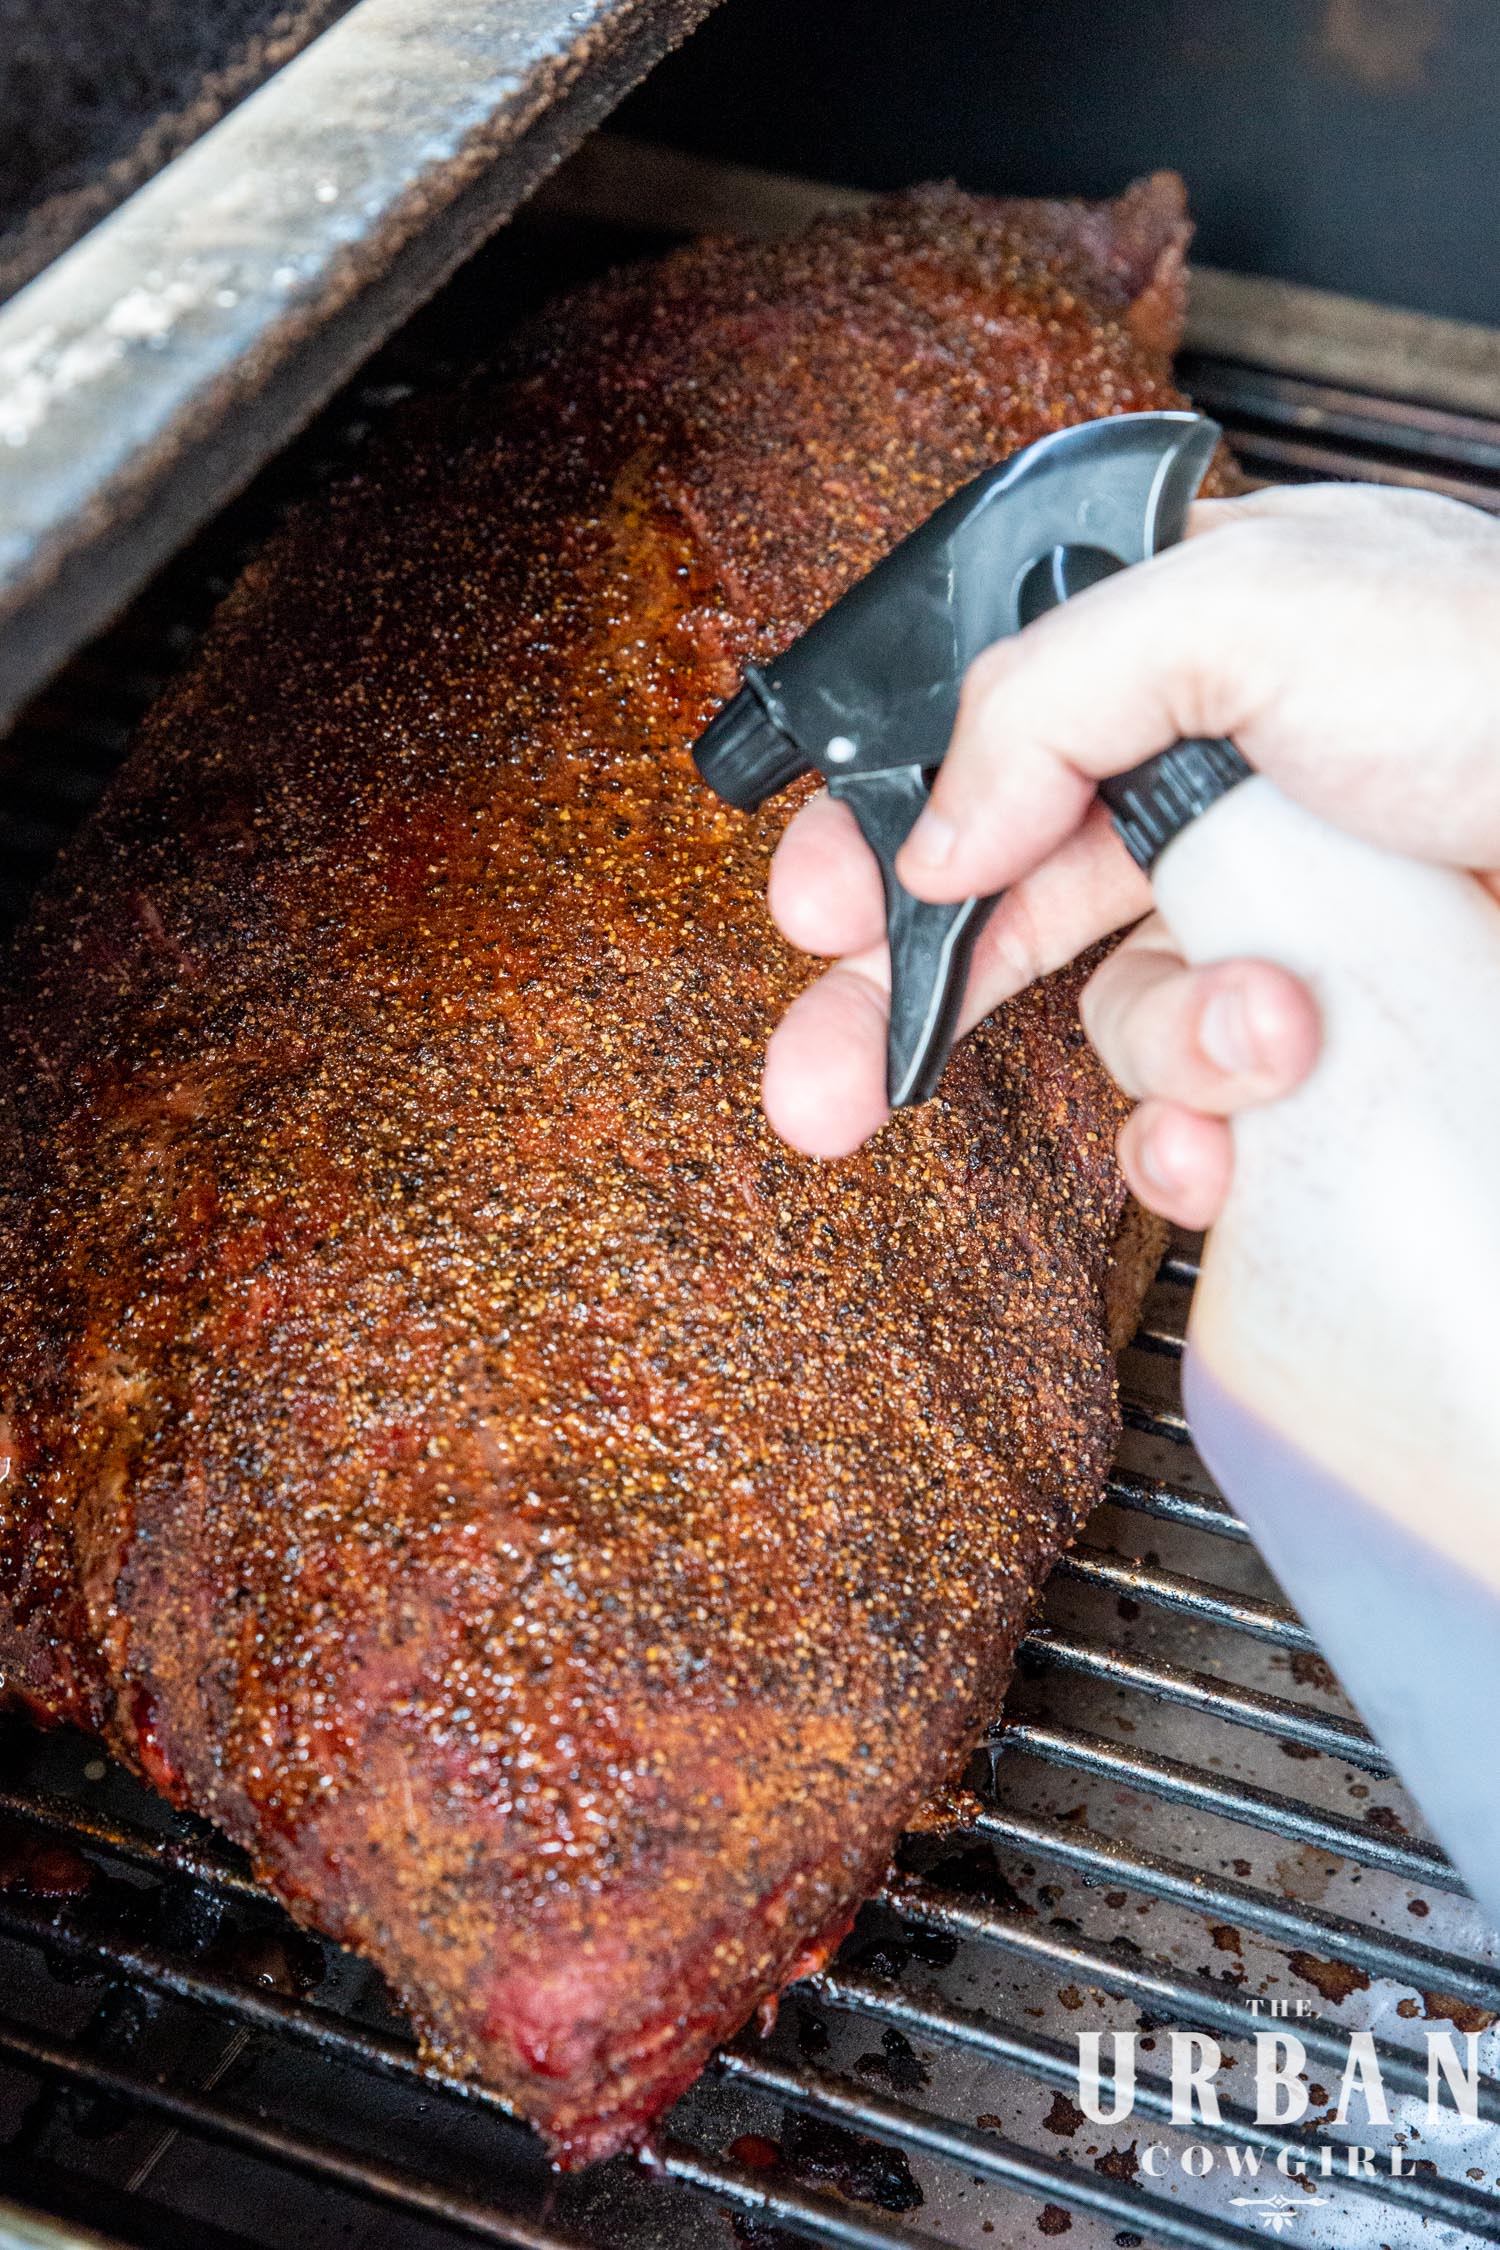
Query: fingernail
x=1157 y=1174
x=932 y=839
x=1224 y=1032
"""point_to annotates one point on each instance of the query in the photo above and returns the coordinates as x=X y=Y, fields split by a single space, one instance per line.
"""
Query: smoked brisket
x=562 y=1534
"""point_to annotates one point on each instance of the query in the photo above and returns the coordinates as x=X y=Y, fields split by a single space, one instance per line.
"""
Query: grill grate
x=179 y=2064
x=91 y=1949
x=1283 y=427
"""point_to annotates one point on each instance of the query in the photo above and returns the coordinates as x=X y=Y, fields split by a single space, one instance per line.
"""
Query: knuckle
x=1111 y=1013
x=1015 y=939
x=1241 y=557
x=988 y=673
x=1133 y=1010
x=1095 y=999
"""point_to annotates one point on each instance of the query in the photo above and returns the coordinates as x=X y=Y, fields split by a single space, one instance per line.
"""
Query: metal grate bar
x=335 y=2166
x=978 y=2150
x=273 y=2013
x=22 y=2229
x=1163 y=1342
x=264 y=2010
x=1170 y=1778
x=1201 y=1691
x=1198 y=1511
x=1258 y=449
x=1192 y=1597
x=1332 y=410
x=385 y=2055
x=1154 y=1420
x=812 y=2215
x=1313 y=428
x=342 y=2041
x=1160 y=1989
x=1057 y=2065
x=177 y=1855
x=437 y=123
x=1308 y=1929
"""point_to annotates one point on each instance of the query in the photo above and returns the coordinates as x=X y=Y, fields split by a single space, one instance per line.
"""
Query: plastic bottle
x=1343 y=1368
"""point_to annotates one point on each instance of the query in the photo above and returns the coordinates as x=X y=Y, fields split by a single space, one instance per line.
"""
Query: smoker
x=1177 y=1822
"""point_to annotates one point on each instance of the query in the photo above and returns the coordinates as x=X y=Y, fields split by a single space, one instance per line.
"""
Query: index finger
x=1135 y=663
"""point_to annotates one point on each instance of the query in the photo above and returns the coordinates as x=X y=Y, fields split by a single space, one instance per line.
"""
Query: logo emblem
x=1277 y=2211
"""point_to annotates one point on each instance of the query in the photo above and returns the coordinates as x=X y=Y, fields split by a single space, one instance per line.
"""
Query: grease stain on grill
x=41 y=1867
x=1053 y=2219
x=117 y=2028
x=1312 y=1672
x=812 y=2033
x=896 y=2066
x=762 y=2234
x=275 y=1959
x=1466 y=2015
x=823 y=2154
x=820 y=2154
x=1336 y=1980
x=1305 y=1875
x=880 y=1957
x=755 y=2152
x=936 y=1947
x=973 y=1873
x=1064 y=2117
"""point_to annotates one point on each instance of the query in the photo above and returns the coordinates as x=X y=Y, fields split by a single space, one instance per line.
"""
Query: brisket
x=561 y=1533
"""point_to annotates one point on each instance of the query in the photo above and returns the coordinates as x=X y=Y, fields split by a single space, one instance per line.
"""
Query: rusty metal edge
x=150 y=371
x=32 y=2230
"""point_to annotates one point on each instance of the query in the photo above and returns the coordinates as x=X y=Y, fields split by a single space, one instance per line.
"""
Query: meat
x=562 y=1534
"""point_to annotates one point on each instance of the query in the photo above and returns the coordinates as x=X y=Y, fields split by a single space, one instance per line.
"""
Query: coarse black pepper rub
x=561 y=1533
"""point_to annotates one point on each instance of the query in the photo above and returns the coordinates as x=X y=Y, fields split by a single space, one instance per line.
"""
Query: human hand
x=1347 y=638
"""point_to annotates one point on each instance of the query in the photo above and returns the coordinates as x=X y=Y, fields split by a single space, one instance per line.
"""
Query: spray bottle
x=1342 y=1376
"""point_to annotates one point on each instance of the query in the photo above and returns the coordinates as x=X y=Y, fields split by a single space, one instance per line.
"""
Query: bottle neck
x=1155 y=801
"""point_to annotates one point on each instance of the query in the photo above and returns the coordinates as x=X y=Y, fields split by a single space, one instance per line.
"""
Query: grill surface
x=1181 y=1821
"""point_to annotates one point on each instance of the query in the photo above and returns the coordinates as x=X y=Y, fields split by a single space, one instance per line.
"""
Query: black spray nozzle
x=744 y=757
x=869 y=694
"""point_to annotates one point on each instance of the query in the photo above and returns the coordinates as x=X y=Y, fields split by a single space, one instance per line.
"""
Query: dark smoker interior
x=1348 y=144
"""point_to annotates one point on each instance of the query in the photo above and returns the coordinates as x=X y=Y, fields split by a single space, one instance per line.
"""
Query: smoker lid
x=97 y=95
x=148 y=371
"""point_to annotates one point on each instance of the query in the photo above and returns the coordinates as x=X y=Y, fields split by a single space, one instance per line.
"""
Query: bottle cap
x=1155 y=801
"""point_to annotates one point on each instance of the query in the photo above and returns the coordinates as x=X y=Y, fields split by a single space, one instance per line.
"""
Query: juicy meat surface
x=561 y=1533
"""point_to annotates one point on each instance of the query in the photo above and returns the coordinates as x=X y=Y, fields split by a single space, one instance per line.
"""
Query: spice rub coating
x=560 y=1532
